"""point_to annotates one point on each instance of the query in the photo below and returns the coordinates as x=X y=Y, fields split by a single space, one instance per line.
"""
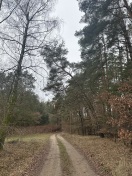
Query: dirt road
x=52 y=165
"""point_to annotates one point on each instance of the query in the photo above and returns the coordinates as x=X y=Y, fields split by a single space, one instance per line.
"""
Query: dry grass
x=19 y=153
x=33 y=130
x=108 y=157
x=66 y=163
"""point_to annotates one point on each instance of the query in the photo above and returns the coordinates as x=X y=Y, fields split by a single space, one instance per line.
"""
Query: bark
x=82 y=122
x=127 y=37
x=121 y=64
x=70 y=122
x=2 y=137
x=128 y=8
x=1 y=4
x=105 y=70
x=128 y=41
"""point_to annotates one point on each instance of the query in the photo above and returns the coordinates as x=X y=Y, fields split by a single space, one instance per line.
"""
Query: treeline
x=95 y=95
x=28 y=110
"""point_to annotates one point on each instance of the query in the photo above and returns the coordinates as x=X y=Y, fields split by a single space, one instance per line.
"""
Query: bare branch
x=10 y=12
x=9 y=69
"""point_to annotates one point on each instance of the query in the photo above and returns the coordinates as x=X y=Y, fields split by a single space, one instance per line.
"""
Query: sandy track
x=80 y=164
x=52 y=165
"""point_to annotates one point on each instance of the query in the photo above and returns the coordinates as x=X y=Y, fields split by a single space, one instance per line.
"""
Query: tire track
x=52 y=164
x=80 y=164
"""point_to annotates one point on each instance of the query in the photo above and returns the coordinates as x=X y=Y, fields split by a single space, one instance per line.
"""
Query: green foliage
x=55 y=58
x=25 y=111
x=84 y=92
x=44 y=119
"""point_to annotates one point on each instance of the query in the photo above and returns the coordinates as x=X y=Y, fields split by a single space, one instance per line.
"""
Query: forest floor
x=56 y=165
x=64 y=155
x=105 y=156
x=24 y=154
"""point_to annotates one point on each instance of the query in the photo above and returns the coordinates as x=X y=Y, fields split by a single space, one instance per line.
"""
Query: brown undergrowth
x=105 y=156
x=19 y=156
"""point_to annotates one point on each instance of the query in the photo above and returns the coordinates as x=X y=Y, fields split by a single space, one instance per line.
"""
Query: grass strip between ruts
x=66 y=163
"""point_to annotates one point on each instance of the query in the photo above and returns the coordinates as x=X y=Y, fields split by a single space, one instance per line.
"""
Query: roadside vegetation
x=94 y=96
x=23 y=155
x=104 y=155
x=66 y=163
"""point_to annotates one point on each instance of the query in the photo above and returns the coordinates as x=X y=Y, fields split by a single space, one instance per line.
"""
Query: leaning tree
x=22 y=36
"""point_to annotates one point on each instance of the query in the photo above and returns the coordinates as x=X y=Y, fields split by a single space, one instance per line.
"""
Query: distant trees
x=26 y=85
x=61 y=77
x=28 y=109
x=61 y=73
x=97 y=95
x=106 y=51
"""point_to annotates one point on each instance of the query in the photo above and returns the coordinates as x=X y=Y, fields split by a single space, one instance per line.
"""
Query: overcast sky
x=68 y=12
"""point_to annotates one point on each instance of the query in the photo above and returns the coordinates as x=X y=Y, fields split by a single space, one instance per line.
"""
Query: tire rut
x=80 y=164
x=52 y=166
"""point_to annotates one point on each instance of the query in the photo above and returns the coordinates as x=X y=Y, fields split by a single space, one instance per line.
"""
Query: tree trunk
x=2 y=137
x=9 y=119
x=128 y=8
x=127 y=38
x=1 y=4
x=70 y=122
x=82 y=122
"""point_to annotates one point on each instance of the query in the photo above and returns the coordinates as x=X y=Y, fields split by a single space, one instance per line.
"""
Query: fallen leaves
x=17 y=157
x=103 y=154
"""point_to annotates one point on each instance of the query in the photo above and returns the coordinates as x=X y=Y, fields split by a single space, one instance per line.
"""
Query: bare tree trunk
x=9 y=119
x=128 y=8
x=1 y=4
x=2 y=137
x=82 y=122
x=127 y=38
x=70 y=122
x=27 y=13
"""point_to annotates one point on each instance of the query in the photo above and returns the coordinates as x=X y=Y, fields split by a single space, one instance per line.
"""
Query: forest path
x=52 y=165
